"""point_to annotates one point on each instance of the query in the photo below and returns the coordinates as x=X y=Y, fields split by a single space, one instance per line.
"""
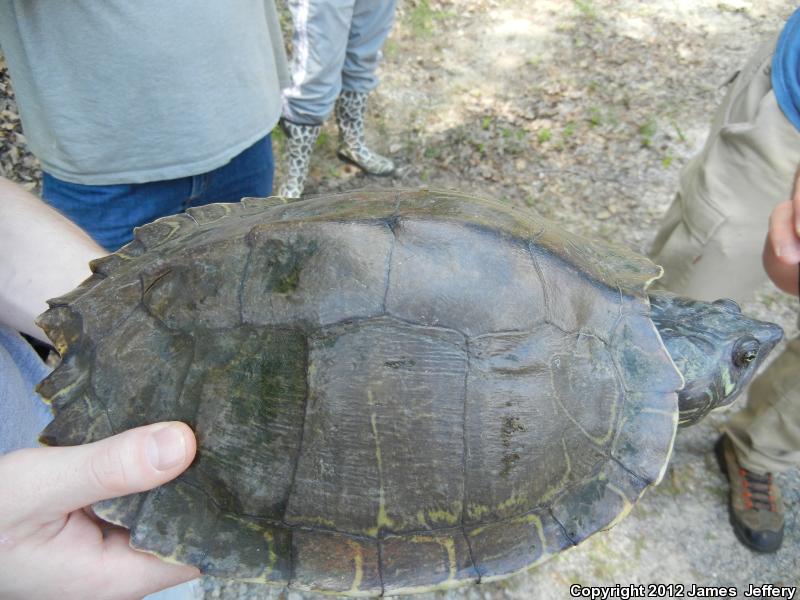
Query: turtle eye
x=745 y=351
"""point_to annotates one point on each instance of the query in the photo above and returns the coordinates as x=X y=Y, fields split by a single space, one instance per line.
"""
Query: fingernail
x=166 y=447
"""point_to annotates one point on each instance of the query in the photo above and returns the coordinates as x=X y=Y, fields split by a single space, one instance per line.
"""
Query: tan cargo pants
x=711 y=239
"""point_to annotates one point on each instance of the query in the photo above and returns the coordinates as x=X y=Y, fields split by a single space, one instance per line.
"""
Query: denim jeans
x=109 y=213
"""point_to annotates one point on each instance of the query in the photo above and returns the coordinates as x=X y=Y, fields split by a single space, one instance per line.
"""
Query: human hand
x=782 y=247
x=51 y=548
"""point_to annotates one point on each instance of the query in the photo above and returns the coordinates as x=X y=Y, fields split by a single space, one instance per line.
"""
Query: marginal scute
x=249 y=549
x=106 y=266
x=86 y=286
x=107 y=307
x=418 y=562
x=132 y=249
x=211 y=213
x=258 y=204
x=117 y=263
x=335 y=563
x=79 y=421
x=63 y=325
x=67 y=382
x=644 y=439
x=164 y=230
x=453 y=207
x=509 y=546
x=599 y=502
x=120 y=511
x=348 y=207
x=167 y=524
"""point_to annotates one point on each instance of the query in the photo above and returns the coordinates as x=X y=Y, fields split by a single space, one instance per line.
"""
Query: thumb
x=782 y=236
x=51 y=482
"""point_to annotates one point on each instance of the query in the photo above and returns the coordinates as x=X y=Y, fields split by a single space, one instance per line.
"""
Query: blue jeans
x=109 y=213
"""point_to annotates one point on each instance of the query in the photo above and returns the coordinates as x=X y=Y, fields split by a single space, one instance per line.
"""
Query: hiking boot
x=350 y=110
x=300 y=141
x=756 y=508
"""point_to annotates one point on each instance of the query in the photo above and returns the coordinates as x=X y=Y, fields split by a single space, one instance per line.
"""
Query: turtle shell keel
x=392 y=391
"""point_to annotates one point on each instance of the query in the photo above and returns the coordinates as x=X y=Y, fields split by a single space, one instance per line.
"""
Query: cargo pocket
x=701 y=216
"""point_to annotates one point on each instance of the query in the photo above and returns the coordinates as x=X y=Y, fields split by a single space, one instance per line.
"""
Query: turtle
x=392 y=391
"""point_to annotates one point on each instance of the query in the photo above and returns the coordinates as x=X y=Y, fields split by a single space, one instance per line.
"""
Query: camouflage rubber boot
x=350 y=110
x=300 y=141
x=756 y=508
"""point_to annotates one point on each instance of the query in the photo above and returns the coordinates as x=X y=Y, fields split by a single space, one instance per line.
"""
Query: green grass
x=422 y=18
x=517 y=133
x=595 y=116
x=587 y=9
x=432 y=152
x=323 y=139
x=647 y=131
x=544 y=135
x=390 y=48
x=678 y=131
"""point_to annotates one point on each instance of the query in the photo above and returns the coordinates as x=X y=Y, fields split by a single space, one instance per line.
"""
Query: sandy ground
x=586 y=111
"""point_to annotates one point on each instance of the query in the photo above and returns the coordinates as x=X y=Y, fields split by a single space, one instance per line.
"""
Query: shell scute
x=350 y=461
x=335 y=563
x=317 y=273
x=164 y=230
x=424 y=561
x=514 y=545
x=450 y=284
x=599 y=502
x=526 y=433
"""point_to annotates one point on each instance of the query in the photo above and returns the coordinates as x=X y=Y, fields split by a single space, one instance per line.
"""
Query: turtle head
x=714 y=346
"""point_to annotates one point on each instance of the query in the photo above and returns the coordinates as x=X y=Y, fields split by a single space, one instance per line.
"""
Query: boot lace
x=758 y=491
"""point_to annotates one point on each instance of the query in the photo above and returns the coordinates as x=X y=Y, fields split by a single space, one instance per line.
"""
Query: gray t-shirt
x=130 y=92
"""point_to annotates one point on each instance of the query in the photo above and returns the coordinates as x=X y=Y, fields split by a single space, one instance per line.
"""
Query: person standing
x=710 y=245
x=336 y=50
x=138 y=110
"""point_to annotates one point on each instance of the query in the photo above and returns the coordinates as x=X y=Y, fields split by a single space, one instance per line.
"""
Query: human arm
x=781 y=254
x=43 y=255
x=51 y=548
